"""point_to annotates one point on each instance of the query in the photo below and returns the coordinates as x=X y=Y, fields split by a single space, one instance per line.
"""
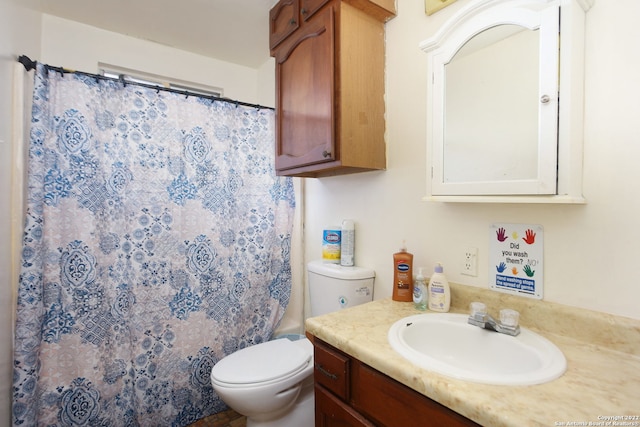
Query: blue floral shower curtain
x=156 y=242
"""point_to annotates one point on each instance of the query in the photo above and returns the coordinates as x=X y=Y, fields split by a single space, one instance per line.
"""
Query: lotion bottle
x=439 y=291
x=403 y=275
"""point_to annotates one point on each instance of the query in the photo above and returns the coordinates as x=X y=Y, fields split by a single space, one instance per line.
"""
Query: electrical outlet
x=470 y=262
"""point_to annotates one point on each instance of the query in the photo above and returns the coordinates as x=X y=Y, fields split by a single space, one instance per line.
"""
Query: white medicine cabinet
x=505 y=102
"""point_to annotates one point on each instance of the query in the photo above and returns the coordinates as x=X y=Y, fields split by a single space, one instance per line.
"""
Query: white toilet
x=272 y=382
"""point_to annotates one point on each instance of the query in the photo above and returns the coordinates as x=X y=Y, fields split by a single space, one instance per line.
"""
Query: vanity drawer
x=331 y=369
x=391 y=404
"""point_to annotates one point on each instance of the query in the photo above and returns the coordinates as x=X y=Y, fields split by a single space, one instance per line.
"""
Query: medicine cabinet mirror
x=505 y=102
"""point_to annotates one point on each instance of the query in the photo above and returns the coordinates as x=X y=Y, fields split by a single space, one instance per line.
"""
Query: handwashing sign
x=516 y=259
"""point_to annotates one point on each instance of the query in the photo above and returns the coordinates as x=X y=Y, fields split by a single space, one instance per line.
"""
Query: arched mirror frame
x=462 y=26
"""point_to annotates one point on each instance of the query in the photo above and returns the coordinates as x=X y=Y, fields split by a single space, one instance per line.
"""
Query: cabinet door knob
x=292 y=22
x=545 y=99
x=326 y=153
x=303 y=11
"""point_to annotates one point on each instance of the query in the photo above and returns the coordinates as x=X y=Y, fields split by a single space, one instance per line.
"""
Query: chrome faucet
x=508 y=323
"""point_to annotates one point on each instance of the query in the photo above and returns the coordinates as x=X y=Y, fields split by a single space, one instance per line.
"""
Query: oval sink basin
x=445 y=343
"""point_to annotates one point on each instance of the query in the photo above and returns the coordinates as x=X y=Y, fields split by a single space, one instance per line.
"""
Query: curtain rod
x=30 y=65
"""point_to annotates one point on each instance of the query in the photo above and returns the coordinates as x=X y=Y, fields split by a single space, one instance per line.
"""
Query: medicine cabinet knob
x=545 y=99
x=326 y=153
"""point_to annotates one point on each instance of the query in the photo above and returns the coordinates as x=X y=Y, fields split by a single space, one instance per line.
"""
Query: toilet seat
x=261 y=364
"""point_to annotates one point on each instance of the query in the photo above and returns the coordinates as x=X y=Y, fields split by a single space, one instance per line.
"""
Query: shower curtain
x=156 y=242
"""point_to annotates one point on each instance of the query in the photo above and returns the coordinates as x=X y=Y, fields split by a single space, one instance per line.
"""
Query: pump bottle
x=439 y=291
x=420 y=293
x=402 y=275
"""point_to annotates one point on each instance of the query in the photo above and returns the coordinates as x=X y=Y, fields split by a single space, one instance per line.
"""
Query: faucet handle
x=478 y=309
x=509 y=317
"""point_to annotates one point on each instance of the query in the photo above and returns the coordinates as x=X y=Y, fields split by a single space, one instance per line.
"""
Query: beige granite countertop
x=602 y=380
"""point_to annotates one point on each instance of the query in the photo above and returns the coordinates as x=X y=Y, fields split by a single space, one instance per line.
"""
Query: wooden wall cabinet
x=330 y=106
x=349 y=393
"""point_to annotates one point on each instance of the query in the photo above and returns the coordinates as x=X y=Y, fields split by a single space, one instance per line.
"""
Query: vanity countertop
x=601 y=384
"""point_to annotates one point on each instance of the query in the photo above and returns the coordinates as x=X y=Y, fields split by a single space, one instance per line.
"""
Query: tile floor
x=228 y=418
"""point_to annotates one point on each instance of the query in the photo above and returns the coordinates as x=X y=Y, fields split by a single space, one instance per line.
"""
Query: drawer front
x=331 y=370
x=332 y=412
x=391 y=404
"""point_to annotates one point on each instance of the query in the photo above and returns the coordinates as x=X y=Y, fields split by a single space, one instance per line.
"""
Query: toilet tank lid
x=337 y=271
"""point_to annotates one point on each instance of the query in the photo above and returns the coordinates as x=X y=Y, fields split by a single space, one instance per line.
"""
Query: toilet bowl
x=272 y=383
x=265 y=381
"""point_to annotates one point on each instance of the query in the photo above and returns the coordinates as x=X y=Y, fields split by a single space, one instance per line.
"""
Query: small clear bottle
x=420 y=293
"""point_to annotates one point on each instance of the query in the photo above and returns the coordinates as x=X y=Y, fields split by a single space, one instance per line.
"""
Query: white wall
x=81 y=47
x=590 y=251
x=19 y=34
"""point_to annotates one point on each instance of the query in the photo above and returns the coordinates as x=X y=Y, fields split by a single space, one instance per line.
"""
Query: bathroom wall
x=72 y=45
x=590 y=251
x=19 y=32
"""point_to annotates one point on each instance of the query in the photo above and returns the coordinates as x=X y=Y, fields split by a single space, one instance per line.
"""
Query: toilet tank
x=333 y=287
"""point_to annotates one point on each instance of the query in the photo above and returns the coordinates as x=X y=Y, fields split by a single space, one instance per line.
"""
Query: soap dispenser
x=420 y=292
x=439 y=290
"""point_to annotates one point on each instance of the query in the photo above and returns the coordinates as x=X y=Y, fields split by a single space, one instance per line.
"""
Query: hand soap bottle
x=402 y=275
x=420 y=292
x=439 y=291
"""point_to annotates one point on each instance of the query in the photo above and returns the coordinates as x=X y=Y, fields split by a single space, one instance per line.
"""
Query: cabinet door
x=331 y=412
x=309 y=7
x=305 y=94
x=283 y=20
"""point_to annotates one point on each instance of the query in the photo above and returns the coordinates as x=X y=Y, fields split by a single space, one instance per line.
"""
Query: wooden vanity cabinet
x=329 y=58
x=349 y=393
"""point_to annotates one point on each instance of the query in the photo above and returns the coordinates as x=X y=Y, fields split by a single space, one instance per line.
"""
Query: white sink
x=445 y=343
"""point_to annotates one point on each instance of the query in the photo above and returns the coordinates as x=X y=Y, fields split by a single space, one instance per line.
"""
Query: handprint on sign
x=502 y=267
x=514 y=271
x=530 y=237
x=528 y=271
x=501 y=234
